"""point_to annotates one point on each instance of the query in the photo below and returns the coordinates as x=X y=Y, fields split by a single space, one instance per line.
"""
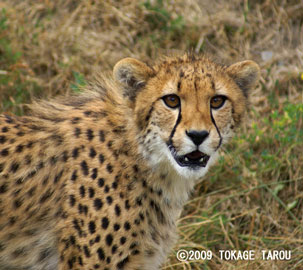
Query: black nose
x=197 y=136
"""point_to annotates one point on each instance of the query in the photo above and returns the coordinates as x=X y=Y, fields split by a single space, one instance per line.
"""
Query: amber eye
x=217 y=102
x=171 y=101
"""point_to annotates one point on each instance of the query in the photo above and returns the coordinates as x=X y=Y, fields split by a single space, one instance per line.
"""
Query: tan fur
x=88 y=182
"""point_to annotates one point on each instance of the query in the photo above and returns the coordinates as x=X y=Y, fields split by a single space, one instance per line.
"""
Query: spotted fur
x=90 y=182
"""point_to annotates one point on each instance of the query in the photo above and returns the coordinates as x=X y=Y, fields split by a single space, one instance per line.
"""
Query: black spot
x=19 y=252
x=141 y=216
x=104 y=223
x=101 y=158
x=92 y=152
x=72 y=200
x=101 y=182
x=101 y=136
x=91 y=192
x=75 y=152
x=101 y=254
x=2 y=139
x=117 y=210
x=108 y=260
x=70 y=263
x=45 y=180
x=122 y=240
x=31 y=192
x=86 y=251
x=106 y=189
x=135 y=252
x=72 y=240
x=77 y=227
x=94 y=173
x=17 y=203
x=89 y=134
x=3 y=188
x=77 y=132
x=84 y=167
x=127 y=226
x=30 y=144
x=82 y=209
x=14 y=167
x=213 y=85
x=109 y=239
x=136 y=169
x=137 y=221
x=74 y=175
x=133 y=245
x=53 y=160
x=110 y=144
x=97 y=239
x=87 y=113
x=92 y=227
x=98 y=204
x=64 y=156
x=76 y=120
x=46 y=196
x=58 y=176
x=139 y=201
x=115 y=185
x=4 y=152
x=179 y=86
x=20 y=133
x=116 y=227
x=122 y=263
x=109 y=168
x=114 y=249
x=9 y=119
x=127 y=205
x=109 y=200
x=82 y=191
x=5 y=129
x=96 y=266
x=12 y=220
x=80 y=261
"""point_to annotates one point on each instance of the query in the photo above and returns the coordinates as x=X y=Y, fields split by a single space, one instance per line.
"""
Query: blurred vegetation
x=253 y=198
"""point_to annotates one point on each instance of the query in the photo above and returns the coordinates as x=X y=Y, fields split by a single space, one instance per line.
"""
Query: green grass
x=18 y=89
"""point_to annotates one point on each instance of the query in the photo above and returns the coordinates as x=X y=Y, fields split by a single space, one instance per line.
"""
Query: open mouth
x=192 y=159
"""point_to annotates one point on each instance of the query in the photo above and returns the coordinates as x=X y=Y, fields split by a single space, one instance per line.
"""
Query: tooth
x=186 y=159
x=201 y=159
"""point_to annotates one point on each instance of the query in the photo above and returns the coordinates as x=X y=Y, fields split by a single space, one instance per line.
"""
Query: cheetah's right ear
x=132 y=74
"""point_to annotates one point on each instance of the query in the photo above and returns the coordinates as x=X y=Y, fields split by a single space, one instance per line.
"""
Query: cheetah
x=98 y=180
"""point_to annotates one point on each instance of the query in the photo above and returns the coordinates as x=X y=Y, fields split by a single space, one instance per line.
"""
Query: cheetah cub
x=98 y=180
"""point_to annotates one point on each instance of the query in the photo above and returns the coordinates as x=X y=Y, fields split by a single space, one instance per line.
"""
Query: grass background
x=253 y=198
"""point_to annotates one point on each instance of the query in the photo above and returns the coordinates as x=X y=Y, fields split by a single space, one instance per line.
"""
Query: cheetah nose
x=197 y=136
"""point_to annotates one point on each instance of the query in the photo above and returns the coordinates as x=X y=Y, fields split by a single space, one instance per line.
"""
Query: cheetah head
x=185 y=108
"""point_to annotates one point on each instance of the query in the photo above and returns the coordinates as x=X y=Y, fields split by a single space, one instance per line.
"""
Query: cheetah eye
x=217 y=102
x=171 y=101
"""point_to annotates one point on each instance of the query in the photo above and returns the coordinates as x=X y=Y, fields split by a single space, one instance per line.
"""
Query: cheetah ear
x=133 y=75
x=246 y=74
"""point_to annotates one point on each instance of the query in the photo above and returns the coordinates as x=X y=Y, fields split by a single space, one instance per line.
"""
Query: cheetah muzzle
x=192 y=160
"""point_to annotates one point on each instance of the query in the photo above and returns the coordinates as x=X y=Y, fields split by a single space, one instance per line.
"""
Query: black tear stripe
x=170 y=140
x=214 y=122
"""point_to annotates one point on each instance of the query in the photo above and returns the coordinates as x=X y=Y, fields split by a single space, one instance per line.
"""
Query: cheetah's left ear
x=132 y=74
x=246 y=74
